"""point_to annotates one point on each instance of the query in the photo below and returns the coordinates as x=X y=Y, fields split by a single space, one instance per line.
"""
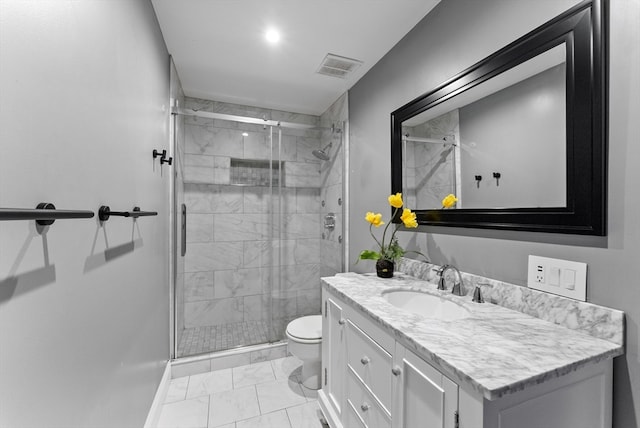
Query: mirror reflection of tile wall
x=432 y=170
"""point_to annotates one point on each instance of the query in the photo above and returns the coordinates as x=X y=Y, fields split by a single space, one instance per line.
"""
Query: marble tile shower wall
x=431 y=169
x=332 y=193
x=230 y=252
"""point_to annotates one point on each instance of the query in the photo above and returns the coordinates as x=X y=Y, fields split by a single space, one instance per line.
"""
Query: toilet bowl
x=305 y=339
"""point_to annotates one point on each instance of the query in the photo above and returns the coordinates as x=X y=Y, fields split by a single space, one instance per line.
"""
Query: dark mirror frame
x=582 y=29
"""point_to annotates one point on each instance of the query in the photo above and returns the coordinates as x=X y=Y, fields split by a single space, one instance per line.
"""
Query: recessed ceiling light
x=272 y=35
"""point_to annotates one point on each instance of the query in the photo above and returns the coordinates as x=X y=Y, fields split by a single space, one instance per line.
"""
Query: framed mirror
x=519 y=138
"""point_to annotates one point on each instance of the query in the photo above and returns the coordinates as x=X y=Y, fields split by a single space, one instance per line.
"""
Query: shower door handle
x=183 y=230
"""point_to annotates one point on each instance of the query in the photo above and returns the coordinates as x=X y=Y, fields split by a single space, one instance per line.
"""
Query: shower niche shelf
x=250 y=172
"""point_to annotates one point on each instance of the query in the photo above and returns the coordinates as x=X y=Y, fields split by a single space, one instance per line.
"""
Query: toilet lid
x=309 y=327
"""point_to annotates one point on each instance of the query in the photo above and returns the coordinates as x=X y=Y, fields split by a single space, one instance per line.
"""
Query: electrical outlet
x=540 y=274
x=557 y=276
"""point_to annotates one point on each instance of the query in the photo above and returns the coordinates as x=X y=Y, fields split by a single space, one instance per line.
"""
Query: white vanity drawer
x=365 y=404
x=370 y=362
x=352 y=419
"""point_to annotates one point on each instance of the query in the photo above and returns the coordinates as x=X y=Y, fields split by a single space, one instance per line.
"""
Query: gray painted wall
x=520 y=133
x=455 y=35
x=84 y=331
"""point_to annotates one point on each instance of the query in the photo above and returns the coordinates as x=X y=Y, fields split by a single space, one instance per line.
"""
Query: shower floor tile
x=200 y=340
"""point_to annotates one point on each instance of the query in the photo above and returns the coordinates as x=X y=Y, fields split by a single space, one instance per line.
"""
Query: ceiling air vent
x=338 y=66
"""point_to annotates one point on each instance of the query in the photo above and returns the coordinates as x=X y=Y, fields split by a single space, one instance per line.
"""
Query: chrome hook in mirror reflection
x=496 y=175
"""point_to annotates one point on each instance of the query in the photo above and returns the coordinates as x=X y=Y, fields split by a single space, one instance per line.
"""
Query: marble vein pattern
x=212 y=199
x=206 y=256
x=198 y=286
x=213 y=312
x=598 y=321
x=302 y=174
x=200 y=228
x=495 y=351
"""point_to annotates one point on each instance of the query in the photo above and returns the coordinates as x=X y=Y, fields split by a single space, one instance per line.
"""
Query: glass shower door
x=252 y=191
x=232 y=196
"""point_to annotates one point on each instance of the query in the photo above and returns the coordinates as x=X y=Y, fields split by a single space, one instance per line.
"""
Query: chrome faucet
x=458 y=287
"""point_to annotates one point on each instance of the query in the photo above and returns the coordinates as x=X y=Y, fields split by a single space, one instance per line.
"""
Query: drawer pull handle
x=396 y=371
x=342 y=321
x=365 y=407
x=365 y=360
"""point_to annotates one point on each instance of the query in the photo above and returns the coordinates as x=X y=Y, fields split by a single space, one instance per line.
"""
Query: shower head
x=322 y=154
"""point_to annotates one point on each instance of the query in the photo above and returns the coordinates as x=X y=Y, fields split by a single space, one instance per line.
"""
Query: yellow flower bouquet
x=390 y=251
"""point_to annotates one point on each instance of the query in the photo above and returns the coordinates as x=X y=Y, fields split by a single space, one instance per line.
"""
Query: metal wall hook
x=162 y=154
x=478 y=180
x=496 y=175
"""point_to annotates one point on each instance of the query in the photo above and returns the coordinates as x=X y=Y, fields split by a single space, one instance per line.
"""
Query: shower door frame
x=269 y=319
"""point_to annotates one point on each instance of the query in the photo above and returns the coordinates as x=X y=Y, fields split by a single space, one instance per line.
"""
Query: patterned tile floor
x=262 y=395
x=199 y=340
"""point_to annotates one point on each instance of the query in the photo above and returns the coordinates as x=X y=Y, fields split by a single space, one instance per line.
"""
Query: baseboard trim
x=161 y=393
x=187 y=366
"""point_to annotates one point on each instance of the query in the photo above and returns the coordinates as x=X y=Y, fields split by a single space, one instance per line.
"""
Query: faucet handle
x=442 y=280
x=477 y=292
x=477 y=295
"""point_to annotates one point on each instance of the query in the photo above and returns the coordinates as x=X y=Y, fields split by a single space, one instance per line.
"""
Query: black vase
x=385 y=268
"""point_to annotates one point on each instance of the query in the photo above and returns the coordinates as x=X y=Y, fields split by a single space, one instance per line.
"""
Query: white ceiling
x=221 y=54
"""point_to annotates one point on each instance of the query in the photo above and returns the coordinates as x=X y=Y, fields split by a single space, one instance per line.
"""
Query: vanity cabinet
x=372 y=380
x=333 y=357
x=368 y=376
x=422 y=395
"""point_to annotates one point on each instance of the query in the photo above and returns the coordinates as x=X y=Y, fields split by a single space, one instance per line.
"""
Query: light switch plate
x=562 y=277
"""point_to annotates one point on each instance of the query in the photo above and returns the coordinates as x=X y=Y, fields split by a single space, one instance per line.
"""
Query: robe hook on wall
x=496 y=175
x=478 y=180
x=163 y=156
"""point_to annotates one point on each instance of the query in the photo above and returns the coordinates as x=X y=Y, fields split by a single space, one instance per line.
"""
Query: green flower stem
x=387 y=226
x=382 y=247
x=374 y=236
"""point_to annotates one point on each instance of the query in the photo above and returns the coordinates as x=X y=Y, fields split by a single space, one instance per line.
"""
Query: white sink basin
x=427 y=305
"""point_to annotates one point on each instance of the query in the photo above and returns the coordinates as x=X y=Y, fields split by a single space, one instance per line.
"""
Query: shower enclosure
x=248 y=224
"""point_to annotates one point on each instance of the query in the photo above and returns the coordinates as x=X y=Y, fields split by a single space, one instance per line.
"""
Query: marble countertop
x=495 y=351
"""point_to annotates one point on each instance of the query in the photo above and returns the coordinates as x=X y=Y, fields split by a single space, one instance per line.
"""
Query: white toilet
x=305 y=339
